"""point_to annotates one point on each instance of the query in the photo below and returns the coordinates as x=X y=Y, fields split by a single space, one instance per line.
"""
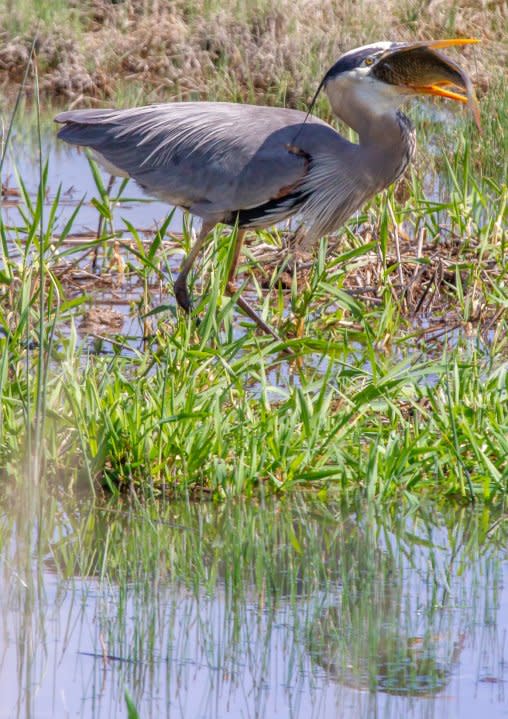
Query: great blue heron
x=254 y=166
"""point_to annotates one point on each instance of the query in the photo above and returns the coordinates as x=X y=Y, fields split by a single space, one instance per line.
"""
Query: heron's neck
x=386 y=139
x=374 y=115
x=381 y=126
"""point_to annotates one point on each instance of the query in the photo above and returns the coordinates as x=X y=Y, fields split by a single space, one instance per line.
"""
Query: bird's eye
x=368 y=60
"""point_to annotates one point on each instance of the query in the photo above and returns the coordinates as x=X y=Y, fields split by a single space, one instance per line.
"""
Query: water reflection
x=260 y=609
x=374 y=636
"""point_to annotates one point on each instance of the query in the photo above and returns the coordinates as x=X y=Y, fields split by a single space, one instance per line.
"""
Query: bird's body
x=254 y=166
x=249 y=164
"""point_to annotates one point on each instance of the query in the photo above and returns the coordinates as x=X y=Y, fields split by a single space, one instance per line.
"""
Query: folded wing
x=217 y=159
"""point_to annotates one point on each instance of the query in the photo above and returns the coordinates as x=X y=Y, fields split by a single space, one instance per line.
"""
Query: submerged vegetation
x=399 y=383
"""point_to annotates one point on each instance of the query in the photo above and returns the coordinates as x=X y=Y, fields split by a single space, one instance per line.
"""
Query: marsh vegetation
x=400 y=383
x=348 y=553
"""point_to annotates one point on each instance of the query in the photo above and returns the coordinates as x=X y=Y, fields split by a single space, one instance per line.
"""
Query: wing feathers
x=226 y=161
x=220 y=155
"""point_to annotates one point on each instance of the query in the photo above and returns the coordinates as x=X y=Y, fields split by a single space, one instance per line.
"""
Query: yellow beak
x=450 y=42
x=439 y=91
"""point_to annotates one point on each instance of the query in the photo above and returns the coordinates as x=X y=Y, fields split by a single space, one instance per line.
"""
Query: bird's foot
x=182 y=294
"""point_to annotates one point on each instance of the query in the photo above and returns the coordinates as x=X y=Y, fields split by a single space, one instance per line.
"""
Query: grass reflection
x=246 y=605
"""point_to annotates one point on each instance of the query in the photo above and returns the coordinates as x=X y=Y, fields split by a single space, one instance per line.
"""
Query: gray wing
x=217 y=159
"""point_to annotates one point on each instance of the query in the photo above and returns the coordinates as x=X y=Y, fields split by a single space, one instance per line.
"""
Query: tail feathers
x=84 y=127
x=84 y=135
x=85 y=117
x=93 y=129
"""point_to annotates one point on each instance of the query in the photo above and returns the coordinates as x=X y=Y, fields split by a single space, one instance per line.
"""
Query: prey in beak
x=422 y=70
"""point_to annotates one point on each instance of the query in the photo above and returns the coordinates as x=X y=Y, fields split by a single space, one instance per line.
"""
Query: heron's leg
x=181 y=292
x=299 y=244
x=257 y=319
x=231 y=290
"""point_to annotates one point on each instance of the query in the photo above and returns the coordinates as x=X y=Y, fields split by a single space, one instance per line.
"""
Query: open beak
x=423 y=71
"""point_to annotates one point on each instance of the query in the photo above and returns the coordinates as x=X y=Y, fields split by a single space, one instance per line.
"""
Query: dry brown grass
x=250 y=50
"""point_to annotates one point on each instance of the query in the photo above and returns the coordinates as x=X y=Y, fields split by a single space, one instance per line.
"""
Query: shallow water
x=69 y=167
x=277 y=609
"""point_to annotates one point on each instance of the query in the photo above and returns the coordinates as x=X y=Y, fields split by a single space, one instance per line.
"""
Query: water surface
x=256 y=609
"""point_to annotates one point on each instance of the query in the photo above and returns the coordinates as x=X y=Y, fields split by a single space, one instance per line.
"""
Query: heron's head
x=376 y=79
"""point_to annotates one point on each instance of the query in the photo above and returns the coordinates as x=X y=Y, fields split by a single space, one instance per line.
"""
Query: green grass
x=371 y=406
x=18 y=17
x=399 y=386
x=352 y=499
